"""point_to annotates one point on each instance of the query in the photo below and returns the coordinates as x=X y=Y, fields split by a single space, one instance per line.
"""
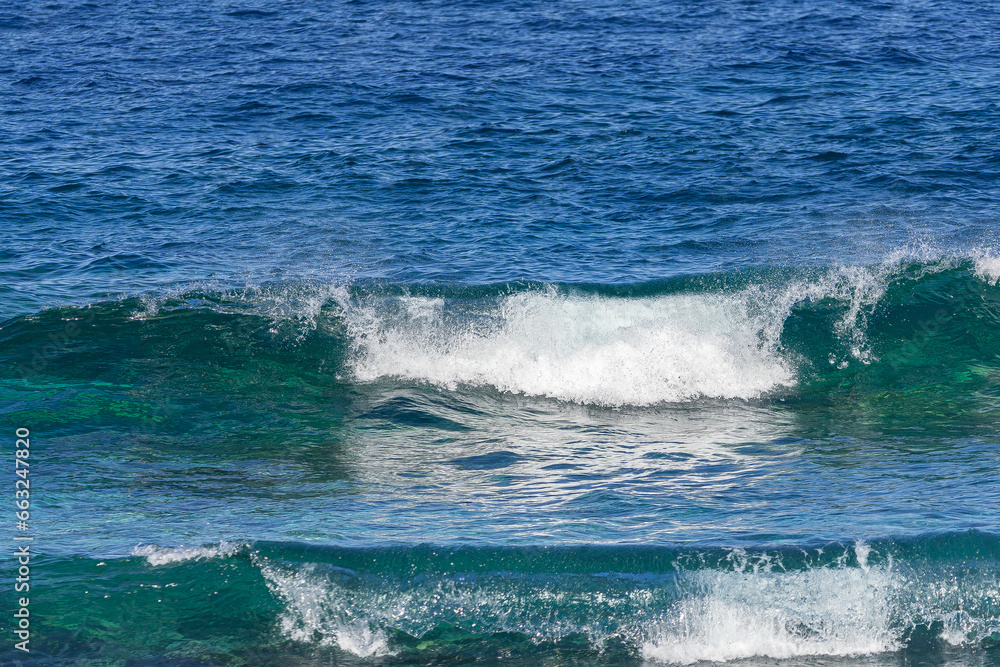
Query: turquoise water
x=389 y=333
x=772 y=464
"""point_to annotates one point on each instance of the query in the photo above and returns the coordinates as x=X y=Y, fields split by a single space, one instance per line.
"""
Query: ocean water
x=399 y=332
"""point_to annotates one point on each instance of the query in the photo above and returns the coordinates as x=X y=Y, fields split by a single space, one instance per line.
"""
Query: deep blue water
x=551 y=333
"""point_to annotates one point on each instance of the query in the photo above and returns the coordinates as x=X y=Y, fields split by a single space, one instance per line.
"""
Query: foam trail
x=157 y=555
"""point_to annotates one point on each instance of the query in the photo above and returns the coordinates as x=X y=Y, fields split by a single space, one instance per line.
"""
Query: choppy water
x=532 y=333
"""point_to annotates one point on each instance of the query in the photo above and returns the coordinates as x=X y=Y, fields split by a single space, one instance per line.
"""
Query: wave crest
x=157 y=555
x=601 y=349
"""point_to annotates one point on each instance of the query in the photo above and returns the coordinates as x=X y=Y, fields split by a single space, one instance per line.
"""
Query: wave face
x=740 y=336
x=610 y=605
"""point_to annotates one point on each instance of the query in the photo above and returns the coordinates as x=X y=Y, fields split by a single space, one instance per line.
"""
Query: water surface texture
x=531 y=333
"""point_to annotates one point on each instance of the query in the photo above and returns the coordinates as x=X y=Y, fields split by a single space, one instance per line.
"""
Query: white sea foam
x=601 y=349
x=988 y=267
x=831 y=611
x=582 y=348
x=314 y=609
x=351 y=612
x=157 y=555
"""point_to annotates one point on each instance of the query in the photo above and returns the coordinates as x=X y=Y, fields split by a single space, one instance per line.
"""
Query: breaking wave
x=156 y=555
x=736 y=337
x=660 y=604
x=739 y=336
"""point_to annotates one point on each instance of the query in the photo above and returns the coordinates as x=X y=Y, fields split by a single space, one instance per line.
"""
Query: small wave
x=157 y=555
x=884 y=600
